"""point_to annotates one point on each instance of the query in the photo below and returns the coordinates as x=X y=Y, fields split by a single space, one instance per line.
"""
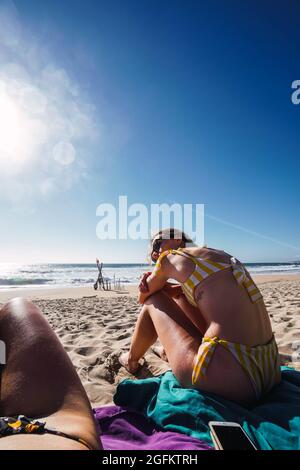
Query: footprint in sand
x=123 y=336
x=86 y=350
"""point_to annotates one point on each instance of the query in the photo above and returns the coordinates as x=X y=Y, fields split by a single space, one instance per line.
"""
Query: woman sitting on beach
x=43 y=404
x=213 y=325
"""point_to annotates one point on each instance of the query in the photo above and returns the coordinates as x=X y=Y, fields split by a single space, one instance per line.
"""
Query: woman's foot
x=130 y=365
x=160 y=352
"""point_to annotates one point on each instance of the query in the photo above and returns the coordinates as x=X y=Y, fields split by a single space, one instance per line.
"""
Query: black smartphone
x=229 y=436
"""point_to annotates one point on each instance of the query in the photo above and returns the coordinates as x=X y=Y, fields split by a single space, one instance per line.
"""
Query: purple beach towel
x=123 y=429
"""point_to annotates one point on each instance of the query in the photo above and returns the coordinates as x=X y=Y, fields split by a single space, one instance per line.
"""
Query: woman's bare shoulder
x=207 y=252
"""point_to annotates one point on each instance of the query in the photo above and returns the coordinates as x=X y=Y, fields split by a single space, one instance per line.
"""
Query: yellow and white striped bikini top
x=204 y=268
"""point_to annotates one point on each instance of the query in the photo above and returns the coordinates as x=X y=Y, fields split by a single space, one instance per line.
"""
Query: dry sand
x=95 y=326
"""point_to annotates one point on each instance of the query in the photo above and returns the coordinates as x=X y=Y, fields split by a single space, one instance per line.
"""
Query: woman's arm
x=154 y=284
x=156 y=280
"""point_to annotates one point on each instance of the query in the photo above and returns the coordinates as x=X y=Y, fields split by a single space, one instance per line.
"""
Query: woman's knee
x=18 y=308
x=16 y=304
x=18 y=318
x=155 y=298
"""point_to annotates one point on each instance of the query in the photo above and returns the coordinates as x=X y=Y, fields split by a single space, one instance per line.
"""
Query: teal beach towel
x=273 y=423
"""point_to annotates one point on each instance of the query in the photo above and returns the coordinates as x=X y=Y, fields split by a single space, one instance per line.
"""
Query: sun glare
x=10 y=126
x=19 y=134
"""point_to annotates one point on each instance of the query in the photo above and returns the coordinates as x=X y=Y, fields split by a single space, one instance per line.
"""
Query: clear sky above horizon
x=161 y=101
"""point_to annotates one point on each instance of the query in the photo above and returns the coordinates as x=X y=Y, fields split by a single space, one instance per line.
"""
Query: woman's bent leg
x=162 y=317
x=181 y=339
x=39 y=381
x=192 y=313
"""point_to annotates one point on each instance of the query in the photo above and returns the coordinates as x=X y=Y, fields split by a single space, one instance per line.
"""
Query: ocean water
x=13 y=276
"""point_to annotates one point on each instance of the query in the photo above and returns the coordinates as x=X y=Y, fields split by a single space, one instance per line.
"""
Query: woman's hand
x=143 y=286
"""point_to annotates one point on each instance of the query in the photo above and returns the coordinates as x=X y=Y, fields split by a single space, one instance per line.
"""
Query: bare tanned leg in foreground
x=39 y=381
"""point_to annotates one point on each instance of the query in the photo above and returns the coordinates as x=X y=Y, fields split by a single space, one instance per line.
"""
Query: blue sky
x=157 y=100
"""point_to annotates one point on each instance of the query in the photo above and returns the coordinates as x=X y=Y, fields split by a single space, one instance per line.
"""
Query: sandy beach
x=95 y=326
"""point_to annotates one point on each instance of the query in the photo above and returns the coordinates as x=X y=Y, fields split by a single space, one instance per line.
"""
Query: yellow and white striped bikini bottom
x=259 y=362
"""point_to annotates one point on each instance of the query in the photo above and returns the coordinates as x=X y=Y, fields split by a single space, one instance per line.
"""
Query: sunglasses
x=156 y=244
x=155 y=247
